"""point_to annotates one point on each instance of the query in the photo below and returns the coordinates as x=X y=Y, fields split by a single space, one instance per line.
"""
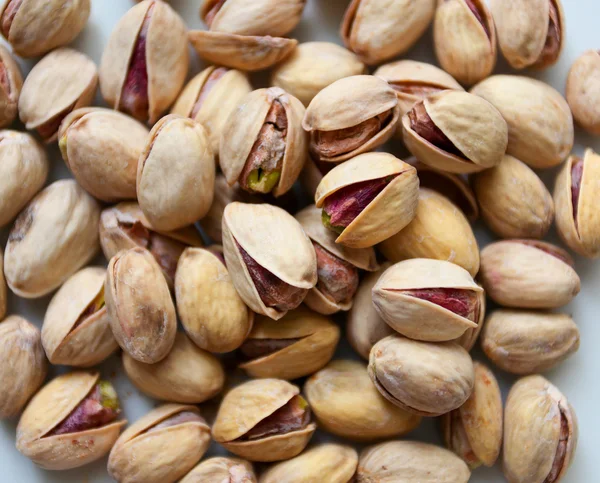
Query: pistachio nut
x=34 y=27
x=23 y=364
x=421 y=377
x=539 y=418
x=76 y=329
x=210 y=97
x=455 y=131
x=263 y=146
x=139 y=304
x=378 y=30
x=70 y=422
x=337 y=265
x=11 y=82
x=64 y=80
x=161 y=446
x=410 y=461
x=101 y=148
x=271 y=261
x=334 y=463
x=540 y=124
x=176 y=173
x=221 y=470
x=187 y=375
x=575 y=194
x=439 y=231
x=347 y=404
x=531 y=33
x=527 y=342
x=312 y=66
x=312 y=174
x=468 y=339
x=528 y=274
x=474 y=431
x=264 y=420
x=297 y=345
x=351 y=116
x=583 y=91
x=23 y=171
x=465 y=39
x=145 y=63
x=54 y=236
x=368 y=199
x=3 y=290
x=514 y=201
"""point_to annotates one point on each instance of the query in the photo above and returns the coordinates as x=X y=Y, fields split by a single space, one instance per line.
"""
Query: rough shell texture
x=9 y=96
x=220 y=469
x=583 y=91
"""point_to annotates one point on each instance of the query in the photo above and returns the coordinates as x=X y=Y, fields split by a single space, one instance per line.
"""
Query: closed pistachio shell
x=220 y=469
x=76 y=330
x=583 y=91
x=540 y=123
x=10 y=88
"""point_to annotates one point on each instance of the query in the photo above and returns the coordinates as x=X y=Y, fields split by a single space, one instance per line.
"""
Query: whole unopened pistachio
x=528 y=274
x=531 y=33
x=76 y=330
x=527 y=342
x=583 y=91
x=377 y=30
x=101 y=148
x=34 y=27
x=575 y=196
x=11 y=81
x=263 y=146
x=474 y=431
x=145 y=62
x=540 y=124
x=221 y=470
x=23 y=364
x=421 y=377
x=64 y=80
x=161 y=446
x=53 y=237
x=368 y=199
x=351 y=116
x=70 y=422
x=540 y=433
x=264 y=420
x=455 y=131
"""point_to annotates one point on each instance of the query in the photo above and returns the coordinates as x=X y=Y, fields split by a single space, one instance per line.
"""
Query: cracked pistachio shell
x=468 y=339
x=212 y=313
x=474 y=431
x=276 y=241
x=347 y=404
x=221 y=470
x=176 y=174
x=53 y=237
x=76 y=329
x=334 y=463
x=539 y=418
x=187 y=375
x=540 y=124
x=48 y=408
x=527 y=342
x=40 y=26
x=514 y=201
x=583 y=91
x=244 y=406
x=139 y=304
x=63 y=81
x=101 y=148
x=166 y=57
x=410 y=461
x=378 y=30
x=2 y=287
x=579 y=225
x=415 y=317
x=209 y=100
x=10 y=89
x=424 y=378
x=516 y=273
x=439 y=231
x=314 y=340
x=158 y=455
x=23 y=364
x=473 y=126
x=391 y=210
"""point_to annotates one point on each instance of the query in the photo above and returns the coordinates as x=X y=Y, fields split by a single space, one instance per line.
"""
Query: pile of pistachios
x=247 y=230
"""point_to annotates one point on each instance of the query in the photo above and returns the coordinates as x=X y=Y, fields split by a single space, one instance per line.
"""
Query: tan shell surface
x=9 y=100
x=583 y=91
x=470 y=337
x=221 y=469
x=3 y=287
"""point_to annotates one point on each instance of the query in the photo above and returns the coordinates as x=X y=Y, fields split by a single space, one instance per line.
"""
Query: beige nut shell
x=221 y=469
x=9 y=97
x=583 y=91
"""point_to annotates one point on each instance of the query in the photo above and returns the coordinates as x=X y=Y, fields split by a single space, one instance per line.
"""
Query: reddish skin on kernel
x=423 y=125
x=212 y=13
x=9 y=15
x=50 y=127
x=415 y=89
x=179 y=418
x=256 y=348
x=561 y=450
x=210 y=82
x=552 y=46
x=294 y=415
x=576 y=177
x=461 y=302
x=475 y=8
x=337 y=279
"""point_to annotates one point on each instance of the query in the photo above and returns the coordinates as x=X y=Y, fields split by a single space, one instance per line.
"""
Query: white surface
x=577 y=377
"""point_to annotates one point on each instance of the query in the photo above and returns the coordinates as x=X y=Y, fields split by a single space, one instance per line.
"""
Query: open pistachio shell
x=469 y=338
x=220 y=469
x=10 y=88
x=76 y=330
x=583 y=91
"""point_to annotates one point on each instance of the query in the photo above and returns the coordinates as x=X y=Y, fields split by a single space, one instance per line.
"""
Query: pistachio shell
x=2 y=287
x=583 y=91
x=468 y=339
x=10 y=92
x=220 y=469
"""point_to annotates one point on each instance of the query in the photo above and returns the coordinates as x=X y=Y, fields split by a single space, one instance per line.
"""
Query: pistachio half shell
x=220 y=469
x=469 y=338
x=583 y=91
x=11 y=82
